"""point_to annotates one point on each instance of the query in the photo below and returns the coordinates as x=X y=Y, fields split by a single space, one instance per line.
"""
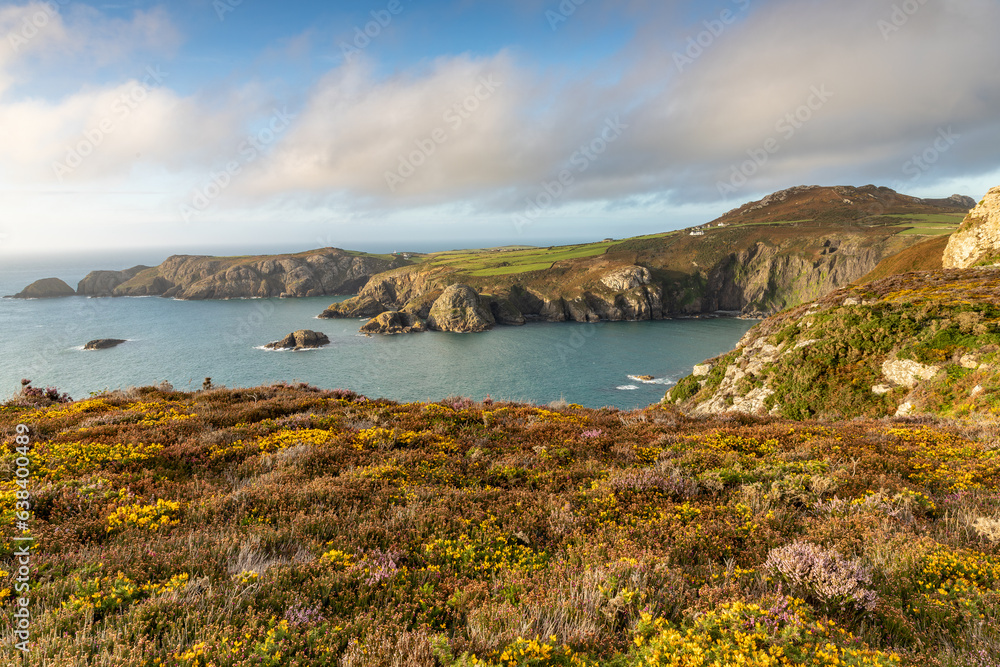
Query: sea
x=184 y=342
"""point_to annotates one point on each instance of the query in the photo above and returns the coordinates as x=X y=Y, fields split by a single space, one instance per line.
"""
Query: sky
x=436 y=124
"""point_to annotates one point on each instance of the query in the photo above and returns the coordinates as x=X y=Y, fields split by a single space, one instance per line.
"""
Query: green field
x=496 y=262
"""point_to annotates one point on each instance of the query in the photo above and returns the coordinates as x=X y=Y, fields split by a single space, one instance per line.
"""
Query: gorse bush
x=286 y=525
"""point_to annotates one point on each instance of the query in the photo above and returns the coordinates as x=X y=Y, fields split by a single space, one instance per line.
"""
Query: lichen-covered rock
x=906 y=373
x=459 y=309
x=46 y=288
x=978 y=239
x=394 y=322
x=303 y=339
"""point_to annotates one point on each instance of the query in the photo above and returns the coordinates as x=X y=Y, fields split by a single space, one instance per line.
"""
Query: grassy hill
x=924 y=342
x=286 y=525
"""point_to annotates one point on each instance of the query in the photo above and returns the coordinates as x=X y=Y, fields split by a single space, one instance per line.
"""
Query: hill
x=285 y=525
x=894 y=343
x=769 y=255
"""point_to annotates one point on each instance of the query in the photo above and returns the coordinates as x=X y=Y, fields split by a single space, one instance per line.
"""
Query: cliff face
x=103 y=283
x=318 y=273
x=978 y=239
x=922 y=342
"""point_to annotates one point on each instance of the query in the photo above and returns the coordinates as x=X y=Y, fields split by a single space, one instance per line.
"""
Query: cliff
x=324 y=272
x=769 y=255
x=977 y=241
x=920 y=342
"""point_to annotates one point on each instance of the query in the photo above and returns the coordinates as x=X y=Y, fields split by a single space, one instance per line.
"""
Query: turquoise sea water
x=183 y=342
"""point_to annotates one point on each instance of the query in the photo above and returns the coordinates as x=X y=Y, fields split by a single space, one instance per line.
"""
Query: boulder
x=46 y=288
x=978 y=238
x=303 y=339
x=103 y=343
x=394 y=322
x=906 y=373
x=459 y=309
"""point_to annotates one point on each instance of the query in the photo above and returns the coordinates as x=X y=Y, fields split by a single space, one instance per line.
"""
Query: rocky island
x=104 y=343
x=303 y=339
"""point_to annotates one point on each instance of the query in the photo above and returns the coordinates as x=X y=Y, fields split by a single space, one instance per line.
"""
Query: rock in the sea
x=394 y=322
x=460 y=310
x=46 y=288
x=303 y=339
x=103 y=343
x=643 y=378
x=978 y=238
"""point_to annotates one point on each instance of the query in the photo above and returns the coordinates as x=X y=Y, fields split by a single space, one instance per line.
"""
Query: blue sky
x=440 y=124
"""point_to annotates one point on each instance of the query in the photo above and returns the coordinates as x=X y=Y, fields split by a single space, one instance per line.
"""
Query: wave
x=627 y=387
x=653 y=381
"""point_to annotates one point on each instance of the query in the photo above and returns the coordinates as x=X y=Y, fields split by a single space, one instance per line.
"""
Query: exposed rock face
x=460 y=310
x=627 y=278
x=103 y=283
x=303 y=339
x=392 y=290
x=103 y=343
x=978 y=239
x=316 y=273
x=46 y=288
x=394 y=322
x=906 y=373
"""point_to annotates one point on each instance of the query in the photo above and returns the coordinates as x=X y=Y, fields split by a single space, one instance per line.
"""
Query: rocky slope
x=46 y=288
x=921 y=342
x=977 y=241
x=324 y=272
x=769 y=255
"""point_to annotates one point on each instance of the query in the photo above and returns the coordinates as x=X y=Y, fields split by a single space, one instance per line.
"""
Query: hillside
x=290 y=526
x=769 y=255
x=323 y=272
x=897 y=342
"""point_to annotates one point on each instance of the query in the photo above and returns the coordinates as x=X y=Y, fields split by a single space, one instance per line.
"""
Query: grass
x=285 y=525
x=514 y=261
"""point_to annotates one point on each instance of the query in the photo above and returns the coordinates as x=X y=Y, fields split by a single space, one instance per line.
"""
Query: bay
x=183 y=342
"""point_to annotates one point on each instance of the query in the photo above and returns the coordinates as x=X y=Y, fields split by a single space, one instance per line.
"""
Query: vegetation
x=830 y=355
x=286 y=525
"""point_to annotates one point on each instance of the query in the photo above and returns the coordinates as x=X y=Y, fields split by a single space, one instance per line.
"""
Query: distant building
x=697 y=232
x=722 y=224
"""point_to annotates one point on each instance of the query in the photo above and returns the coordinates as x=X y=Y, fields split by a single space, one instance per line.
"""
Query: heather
x=286 y=525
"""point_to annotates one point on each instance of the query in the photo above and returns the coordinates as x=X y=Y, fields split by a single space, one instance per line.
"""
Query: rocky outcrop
x=392 y=290
x=46 y=288
x=460 y=310
x=325 y=272
x=627 y=278
x=303 y=339
x=394 y=322
x=907 y=373
x=978 y=239
x=103 y=343
x=103 y=283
